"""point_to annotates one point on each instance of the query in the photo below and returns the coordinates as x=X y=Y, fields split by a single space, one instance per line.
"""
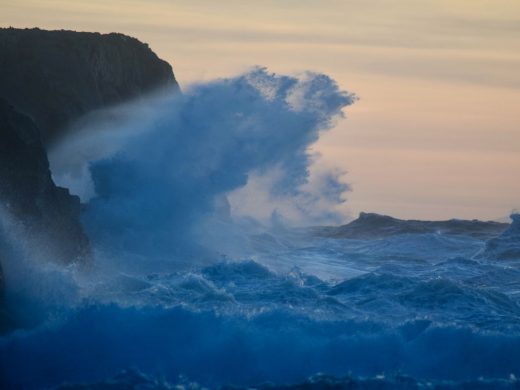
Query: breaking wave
x=185 y=292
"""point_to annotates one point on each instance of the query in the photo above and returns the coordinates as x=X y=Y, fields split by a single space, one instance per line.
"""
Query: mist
x=155 y=171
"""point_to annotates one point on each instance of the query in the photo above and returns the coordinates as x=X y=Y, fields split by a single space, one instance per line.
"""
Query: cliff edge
x=49 y=79
x=55 y=77
x=47 y=214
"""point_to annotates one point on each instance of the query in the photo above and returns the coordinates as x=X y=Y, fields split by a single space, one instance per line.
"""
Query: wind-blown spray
x=178 y=155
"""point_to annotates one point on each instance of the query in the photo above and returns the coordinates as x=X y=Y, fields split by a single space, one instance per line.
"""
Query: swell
x=240 y=323
x=97 y=341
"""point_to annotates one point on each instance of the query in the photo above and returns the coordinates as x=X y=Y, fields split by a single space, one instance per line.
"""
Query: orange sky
x=436 y=132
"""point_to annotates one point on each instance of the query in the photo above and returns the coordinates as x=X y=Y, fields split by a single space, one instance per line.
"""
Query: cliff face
x=48 y=215
x=49 y=79
x=56 y=76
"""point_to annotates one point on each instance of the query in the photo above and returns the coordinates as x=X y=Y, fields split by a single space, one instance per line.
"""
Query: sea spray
x=171 y=159
x=420 y=306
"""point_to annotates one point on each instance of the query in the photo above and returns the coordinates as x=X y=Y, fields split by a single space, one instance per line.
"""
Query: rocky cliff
x=34 y=212
x=56 y=76
x=49 y=79
x=47 y=215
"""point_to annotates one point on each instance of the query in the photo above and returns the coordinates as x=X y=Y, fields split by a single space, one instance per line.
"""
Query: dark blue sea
x=416 y=310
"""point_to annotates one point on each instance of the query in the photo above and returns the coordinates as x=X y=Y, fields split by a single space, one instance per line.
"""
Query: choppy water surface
x=430 y=308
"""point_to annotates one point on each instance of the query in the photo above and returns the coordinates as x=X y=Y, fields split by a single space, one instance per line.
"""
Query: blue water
x=422 y=306
x=184 y=291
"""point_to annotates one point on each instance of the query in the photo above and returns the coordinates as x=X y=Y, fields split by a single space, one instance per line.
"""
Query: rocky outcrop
x=57 y=76
x=47 y=215
x=48 y=80
x=374 y=226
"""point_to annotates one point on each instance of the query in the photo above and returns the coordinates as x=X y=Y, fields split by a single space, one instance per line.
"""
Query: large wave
x=171 y=160
x=187 y=283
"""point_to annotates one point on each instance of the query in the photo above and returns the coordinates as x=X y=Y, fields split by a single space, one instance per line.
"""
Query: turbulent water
x=184 y=294
x=418 y=306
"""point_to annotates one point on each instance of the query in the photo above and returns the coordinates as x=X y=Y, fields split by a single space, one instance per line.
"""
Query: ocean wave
x=96 y=341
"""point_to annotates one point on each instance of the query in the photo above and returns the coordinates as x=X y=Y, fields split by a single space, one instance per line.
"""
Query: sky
x=436 y=132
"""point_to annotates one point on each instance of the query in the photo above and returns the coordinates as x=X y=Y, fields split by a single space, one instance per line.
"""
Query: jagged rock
x=374 y=226
x=48 y=215
x=57 y=76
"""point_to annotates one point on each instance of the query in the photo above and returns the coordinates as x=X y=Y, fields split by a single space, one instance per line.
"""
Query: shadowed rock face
x=374 y=226
x=38 y=215
x=48 y=215
x=57 y=76
x=48 y=80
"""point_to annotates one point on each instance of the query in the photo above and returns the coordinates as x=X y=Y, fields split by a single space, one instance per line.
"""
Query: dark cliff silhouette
x=47 y=214
x=57 y=76
x=49 y=79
